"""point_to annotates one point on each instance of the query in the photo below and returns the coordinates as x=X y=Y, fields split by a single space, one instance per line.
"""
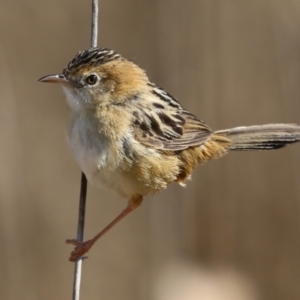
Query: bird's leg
x=82 y=247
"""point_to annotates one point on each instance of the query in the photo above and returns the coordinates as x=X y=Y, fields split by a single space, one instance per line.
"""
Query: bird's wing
x=159 y=121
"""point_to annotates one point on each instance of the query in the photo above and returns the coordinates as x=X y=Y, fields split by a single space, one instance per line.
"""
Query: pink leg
x=82 y=247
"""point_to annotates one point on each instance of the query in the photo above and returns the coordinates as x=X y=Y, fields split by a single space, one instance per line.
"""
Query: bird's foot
x=80 y=248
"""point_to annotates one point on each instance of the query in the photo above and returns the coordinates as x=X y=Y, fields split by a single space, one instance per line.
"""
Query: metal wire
x=83 y=187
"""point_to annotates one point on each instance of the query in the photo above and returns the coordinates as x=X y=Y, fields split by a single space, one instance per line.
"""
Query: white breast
x=89 y=147
x=95 y=154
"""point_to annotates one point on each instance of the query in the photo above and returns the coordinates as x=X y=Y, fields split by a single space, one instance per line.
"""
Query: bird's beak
x=59 y=78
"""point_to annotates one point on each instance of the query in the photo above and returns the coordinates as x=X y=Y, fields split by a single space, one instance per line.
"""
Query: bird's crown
x=92 y=57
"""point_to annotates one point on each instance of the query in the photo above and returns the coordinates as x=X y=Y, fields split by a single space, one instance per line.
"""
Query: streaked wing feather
x=162 y=123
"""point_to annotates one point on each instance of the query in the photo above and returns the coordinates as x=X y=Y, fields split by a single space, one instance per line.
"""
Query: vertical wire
x=83 y=187
x=94 y=35
x=80 y=230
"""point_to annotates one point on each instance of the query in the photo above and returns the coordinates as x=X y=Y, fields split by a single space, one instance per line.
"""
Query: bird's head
x=99 y=76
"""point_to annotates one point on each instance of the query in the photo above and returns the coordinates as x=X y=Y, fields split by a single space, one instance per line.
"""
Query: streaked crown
x=91 y=58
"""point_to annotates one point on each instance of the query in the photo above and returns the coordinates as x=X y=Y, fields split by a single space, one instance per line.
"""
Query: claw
x=80 y=248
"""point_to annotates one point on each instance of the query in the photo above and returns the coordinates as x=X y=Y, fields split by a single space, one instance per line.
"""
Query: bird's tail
x=261 y=137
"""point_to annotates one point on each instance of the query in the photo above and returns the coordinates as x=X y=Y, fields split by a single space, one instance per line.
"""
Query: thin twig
x=83 y=187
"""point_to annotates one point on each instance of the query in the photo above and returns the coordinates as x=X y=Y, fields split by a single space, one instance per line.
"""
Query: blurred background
x=233 y=233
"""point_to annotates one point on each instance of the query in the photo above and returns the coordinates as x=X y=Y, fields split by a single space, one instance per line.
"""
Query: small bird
x=131 y=135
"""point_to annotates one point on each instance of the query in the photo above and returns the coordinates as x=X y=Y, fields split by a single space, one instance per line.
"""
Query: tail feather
x=261 y=137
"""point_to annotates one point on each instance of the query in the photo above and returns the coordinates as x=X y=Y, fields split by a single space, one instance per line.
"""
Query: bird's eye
x=92 y=79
